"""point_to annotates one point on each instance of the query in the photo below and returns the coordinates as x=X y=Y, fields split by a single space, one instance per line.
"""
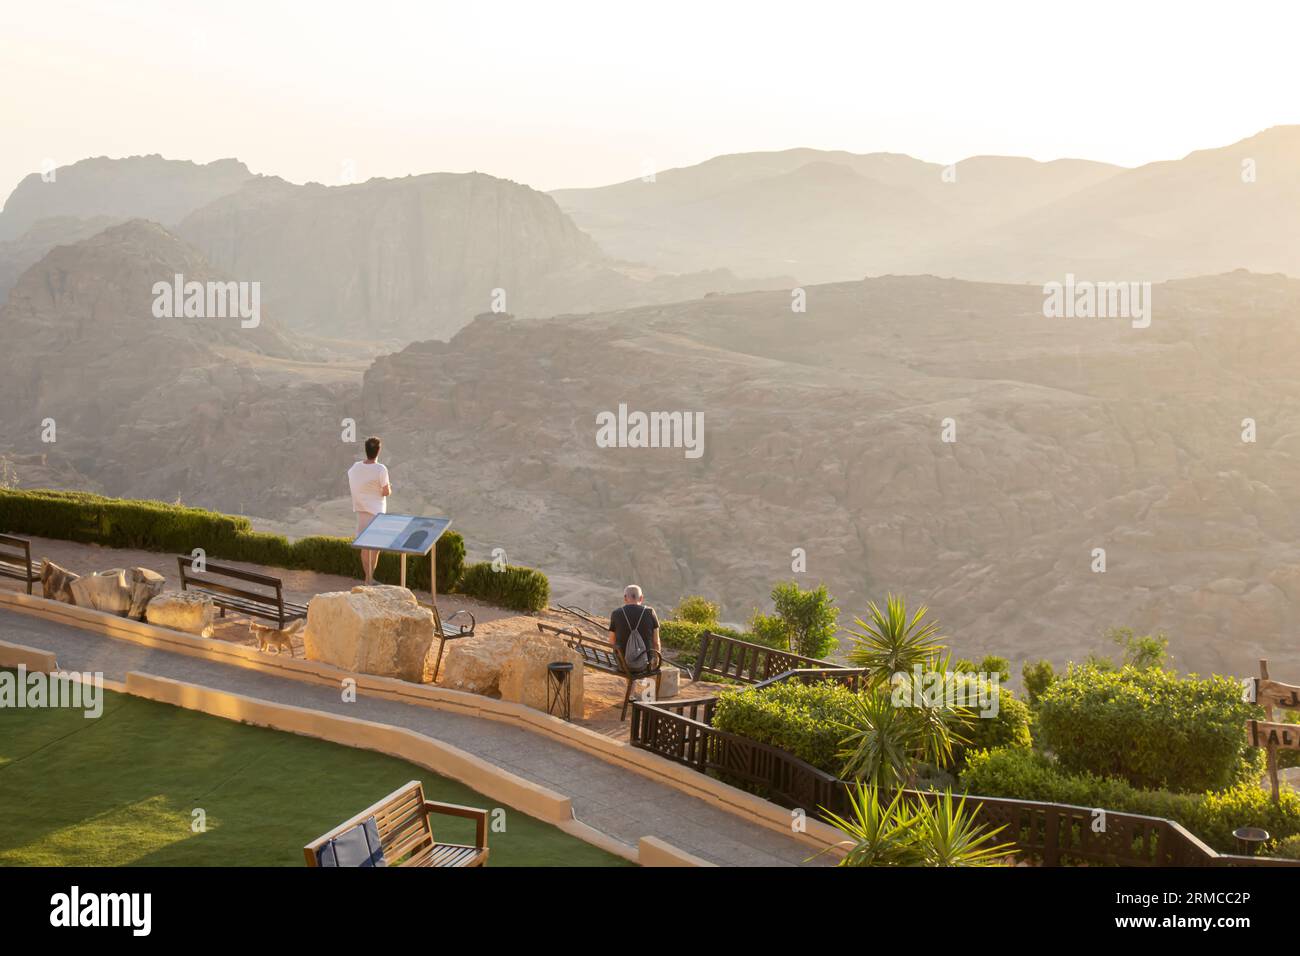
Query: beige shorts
x=363 y=518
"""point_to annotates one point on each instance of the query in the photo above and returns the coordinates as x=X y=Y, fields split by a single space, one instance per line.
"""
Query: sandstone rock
x=106 y=591
x=473 y=664
x=56 y=582
x=523 y=673
x=186 y=611
x=371 y=630
x=144 y=585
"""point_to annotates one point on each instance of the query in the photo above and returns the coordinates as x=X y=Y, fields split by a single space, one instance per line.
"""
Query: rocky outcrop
x=523 y=676
x=185 y=611
x=378 y=630
x=512 y=666
x=56 y=582
x=144 y=585
x=137 y=187
x=106 y=591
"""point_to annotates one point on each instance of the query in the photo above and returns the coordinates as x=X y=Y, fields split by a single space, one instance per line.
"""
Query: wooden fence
x=1051 y=833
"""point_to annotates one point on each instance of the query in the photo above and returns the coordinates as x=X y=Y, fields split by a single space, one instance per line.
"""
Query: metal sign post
x=404 y=535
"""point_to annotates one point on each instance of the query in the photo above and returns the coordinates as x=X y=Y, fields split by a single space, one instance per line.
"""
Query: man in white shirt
x=368 y=481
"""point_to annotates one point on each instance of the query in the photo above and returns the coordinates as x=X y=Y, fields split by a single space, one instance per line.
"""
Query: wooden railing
x=738 y=660
x=1052 y=833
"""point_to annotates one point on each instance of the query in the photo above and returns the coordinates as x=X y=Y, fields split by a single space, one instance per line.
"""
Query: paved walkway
x=621 y=803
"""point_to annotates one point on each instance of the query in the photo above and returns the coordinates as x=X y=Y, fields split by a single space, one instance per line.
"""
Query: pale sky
x=563 y=93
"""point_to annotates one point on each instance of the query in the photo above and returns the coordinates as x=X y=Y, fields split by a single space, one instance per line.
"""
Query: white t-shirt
x=367 y=480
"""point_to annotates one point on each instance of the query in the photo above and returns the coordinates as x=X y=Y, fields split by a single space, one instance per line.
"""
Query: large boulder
x=377 y=630
x=144 y=586
x=56 y=582
x=186 y=611
x=106 y=591
x=523 y=677
x=473 y=664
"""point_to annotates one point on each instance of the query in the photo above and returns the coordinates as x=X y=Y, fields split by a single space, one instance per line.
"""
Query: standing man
x=368 y=481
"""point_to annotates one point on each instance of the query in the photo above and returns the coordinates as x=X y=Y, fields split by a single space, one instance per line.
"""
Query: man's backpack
x=636 y=653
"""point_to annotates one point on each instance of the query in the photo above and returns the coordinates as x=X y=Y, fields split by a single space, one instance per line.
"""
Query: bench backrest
x=597 y=653
x=402 y=822
x=188 y=575
x=15 y=550
x=748 y=663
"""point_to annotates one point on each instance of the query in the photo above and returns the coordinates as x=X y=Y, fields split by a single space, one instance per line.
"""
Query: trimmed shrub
x=695 y=609
x=798 y=718
x=515 y=587
x=1147 y=725
x=1037 y=677
x=1027 y=775
x=1008 y=728
x=158 y=526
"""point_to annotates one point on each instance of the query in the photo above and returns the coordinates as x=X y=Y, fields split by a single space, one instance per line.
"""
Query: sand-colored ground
x=604 y=692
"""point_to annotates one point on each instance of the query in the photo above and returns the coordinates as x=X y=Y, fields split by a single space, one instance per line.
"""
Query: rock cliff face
x=397 y=259
x=824 y=432
x=138 y=187
x=156 y=407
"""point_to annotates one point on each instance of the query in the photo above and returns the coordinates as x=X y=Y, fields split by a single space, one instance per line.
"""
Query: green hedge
x=158 y=526
x=1028 y=775
x=516 y=587
x=1008 y=728
x=1149 y=726
x=798 y=718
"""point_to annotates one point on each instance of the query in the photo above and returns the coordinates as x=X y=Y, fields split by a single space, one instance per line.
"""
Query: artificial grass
x=122 y=790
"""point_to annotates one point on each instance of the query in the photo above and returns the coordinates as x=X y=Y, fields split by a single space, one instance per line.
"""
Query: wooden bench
x=272 y=606
x=449 y=632
x=604 y=656
x=405 y=834
x=16 y=560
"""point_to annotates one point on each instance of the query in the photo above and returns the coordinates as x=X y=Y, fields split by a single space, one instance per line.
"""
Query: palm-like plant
x=883 y=741
x=951 y=837
x=909 y=831
x=878 y=834
x=890 y=643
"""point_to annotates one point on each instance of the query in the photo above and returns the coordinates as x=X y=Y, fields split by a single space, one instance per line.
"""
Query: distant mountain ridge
x=986 y=218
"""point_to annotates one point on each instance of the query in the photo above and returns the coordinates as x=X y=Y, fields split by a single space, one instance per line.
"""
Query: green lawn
x=121 y=791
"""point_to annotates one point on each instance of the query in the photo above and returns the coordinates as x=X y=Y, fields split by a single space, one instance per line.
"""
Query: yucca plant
x=878 y=834
x=911 y=831
x=949 y=835
x=883 y=741
x=890 y=643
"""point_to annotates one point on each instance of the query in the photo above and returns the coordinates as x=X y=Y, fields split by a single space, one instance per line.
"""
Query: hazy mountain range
x=823 y=429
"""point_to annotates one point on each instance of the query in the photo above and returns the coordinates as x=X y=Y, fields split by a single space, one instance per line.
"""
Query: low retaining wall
x=817 y=835
x=20 y=655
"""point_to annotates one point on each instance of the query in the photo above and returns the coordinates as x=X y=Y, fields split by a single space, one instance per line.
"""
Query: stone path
x=621 y=803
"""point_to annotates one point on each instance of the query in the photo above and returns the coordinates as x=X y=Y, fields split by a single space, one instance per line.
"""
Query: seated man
x=635 y=615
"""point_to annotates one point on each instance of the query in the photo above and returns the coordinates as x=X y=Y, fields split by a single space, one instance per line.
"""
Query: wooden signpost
x=1270 y=734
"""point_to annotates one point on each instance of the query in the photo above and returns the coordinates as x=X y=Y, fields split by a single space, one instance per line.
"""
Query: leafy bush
x=158 y=526
x=1008 y=728
x=695 y=609
x=809 y=616
x=1140 y=650
x=988 y=664
x=802 y=719
x=515 y=587
x=1146 y=725
x=1037 y=677
x=1028 y=775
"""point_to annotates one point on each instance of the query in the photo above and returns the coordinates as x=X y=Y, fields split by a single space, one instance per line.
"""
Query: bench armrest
x=479 y=816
